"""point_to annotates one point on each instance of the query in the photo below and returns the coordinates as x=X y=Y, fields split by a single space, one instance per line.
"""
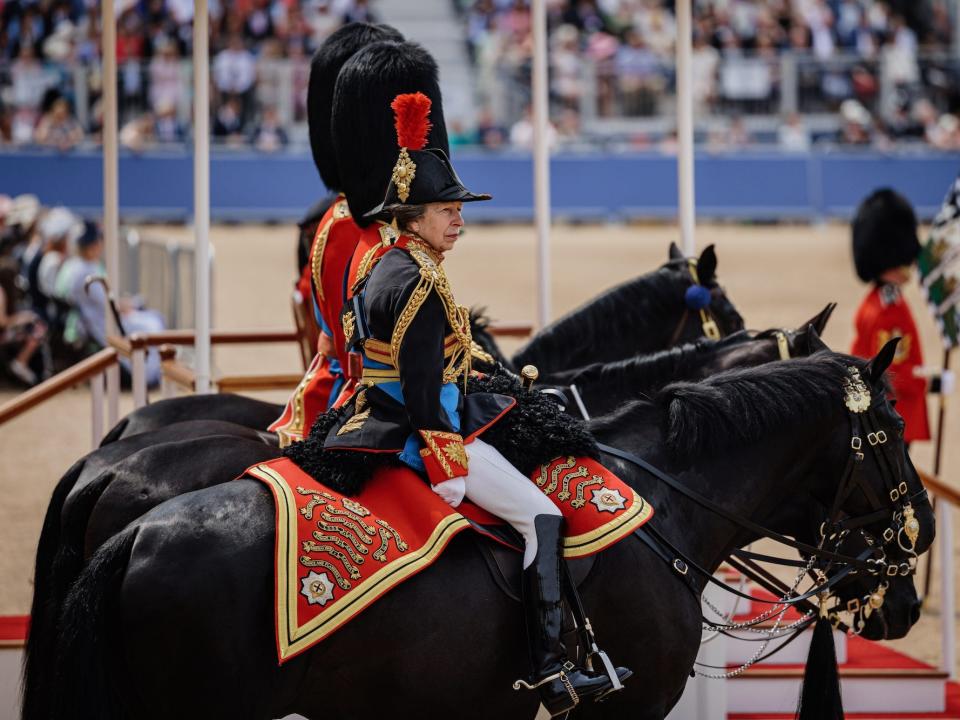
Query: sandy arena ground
x=778 y=276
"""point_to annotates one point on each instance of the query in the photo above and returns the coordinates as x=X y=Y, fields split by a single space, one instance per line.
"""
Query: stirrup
x=560 y=675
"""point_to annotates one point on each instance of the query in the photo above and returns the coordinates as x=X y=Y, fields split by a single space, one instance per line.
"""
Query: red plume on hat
x=411 y=114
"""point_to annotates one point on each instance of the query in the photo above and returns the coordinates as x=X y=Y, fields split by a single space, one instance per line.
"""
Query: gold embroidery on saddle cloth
x=401 y=545
x=358 y=540
x=350 y=549
x=360 y=414
x=369 y=530
x=311 y=547
x=554 y=475
x=310 y=563
x=432 y=277
x=580 y=500
x=580 y=472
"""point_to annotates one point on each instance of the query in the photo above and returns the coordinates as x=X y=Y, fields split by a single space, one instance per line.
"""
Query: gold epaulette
x=340 y=210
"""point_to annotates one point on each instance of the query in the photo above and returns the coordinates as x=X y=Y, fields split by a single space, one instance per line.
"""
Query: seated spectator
x=234 y=71
x=21 y=331
x=57 y=229
x=166 y=81
x=138 y=133
x=58 y=128
x=792 y=135
x=269 y=135
x=168 y=129
x=85 y=329
x=228 y=122
x=521 y=134
x=641 y=79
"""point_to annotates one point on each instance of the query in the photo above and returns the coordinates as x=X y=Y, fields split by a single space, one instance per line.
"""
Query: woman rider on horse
x=416 y=348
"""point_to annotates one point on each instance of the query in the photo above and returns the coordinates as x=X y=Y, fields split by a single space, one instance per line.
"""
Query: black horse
x=90 y=520
x=603 y=387
x=642 y=315
x=60 y=549
x=174 y=617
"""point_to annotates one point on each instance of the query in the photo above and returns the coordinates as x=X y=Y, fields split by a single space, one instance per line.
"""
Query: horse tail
x=84 y=685
x=40 y=649
x=116 y=432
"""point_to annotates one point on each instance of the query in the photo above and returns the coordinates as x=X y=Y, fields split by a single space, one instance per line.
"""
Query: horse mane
x=654 y=369
x=742 y=406
x=636 y=303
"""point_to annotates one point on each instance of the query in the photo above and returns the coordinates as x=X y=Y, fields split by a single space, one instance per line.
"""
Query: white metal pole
x=948 y=588
x=541 y=159
x=687 y=206
x=111 y=213
x=201 y=192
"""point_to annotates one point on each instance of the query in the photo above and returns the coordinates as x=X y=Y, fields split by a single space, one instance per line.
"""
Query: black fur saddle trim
x=343 y=471
x=536 y=430
x=531 y=434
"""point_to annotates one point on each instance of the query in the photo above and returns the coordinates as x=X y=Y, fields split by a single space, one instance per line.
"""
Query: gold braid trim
x=320 y=244
x=432 y=277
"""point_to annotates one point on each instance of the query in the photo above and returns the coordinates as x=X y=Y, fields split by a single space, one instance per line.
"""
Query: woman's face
x=440 y=225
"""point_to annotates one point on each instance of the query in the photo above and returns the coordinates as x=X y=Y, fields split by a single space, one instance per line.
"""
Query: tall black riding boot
x=561 y=683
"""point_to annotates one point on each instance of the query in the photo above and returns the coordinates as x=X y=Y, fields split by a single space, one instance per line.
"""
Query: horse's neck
x=608 y=326
x=752 y=482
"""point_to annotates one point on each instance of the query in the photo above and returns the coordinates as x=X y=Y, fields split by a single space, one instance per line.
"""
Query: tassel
x=411 y=116
x=820 y=693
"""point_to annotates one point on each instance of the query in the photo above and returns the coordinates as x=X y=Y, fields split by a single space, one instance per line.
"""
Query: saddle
x=335 y=555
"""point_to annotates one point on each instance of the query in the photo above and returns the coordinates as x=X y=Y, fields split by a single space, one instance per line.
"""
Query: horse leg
x=646 y=620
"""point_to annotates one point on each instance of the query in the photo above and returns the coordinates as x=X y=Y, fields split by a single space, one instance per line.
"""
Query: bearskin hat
x=324 y=68
x=365 y=139
x=884 y=234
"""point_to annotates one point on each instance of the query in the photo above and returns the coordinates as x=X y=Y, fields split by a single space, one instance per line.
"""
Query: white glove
x=452 y=491
x=948 y=382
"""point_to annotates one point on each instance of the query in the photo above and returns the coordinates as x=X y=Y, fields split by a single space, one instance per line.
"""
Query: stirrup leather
x=559 y=675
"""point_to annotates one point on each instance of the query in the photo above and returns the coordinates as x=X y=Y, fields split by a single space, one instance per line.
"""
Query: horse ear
x=707 y=265
x=814 y=342
x=819 y=321
x=878 y=366
x=675 y=252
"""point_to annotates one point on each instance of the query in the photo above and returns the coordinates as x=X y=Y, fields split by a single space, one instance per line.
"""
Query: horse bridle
x=904 y=526
x=708 y=320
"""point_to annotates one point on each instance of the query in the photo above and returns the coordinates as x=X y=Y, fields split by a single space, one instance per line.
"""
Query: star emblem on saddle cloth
x=317 y=588
x=608 y=500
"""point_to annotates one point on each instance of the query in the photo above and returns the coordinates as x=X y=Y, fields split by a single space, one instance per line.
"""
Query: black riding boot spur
x=559 y=681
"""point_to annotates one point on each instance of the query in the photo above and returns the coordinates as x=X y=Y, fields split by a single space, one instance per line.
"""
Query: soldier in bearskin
x=324 y=378
x=885 y=248
x=416 y=345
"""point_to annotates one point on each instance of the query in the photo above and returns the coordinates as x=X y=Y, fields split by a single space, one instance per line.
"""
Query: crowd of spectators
x=260 y=52
x=879 y=68
x=618 y=55
x=50 y=315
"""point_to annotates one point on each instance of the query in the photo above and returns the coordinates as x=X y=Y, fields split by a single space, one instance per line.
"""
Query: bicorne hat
x=325 y=65
x=363 y=124
x=884 y=234
x=420 y=175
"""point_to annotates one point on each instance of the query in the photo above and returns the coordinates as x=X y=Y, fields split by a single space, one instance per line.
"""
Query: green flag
x=939 y=264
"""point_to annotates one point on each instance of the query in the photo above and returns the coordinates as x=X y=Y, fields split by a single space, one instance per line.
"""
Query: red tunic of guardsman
x=335 y=238
x=885 y=247
x=884 y=314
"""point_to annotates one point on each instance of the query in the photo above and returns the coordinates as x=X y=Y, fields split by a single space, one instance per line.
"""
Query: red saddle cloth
x=336 y=555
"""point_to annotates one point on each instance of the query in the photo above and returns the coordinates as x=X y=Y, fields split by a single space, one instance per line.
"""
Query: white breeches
x=498 y=487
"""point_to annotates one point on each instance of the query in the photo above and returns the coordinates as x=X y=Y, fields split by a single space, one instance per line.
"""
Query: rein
x=872 y=560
